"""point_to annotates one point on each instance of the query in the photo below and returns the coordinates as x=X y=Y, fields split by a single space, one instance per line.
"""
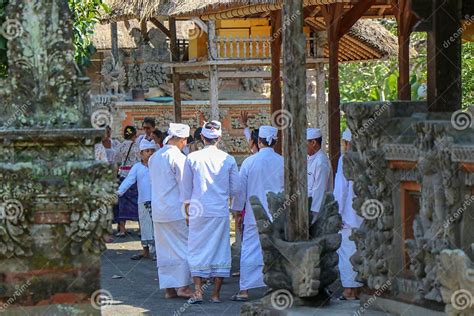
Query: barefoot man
x=260 y=173
x=171 y=231
x=210 y=178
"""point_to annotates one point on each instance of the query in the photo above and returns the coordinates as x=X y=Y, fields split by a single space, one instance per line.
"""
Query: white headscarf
x=147 y=144
x=212 y=133
x=313 y=133
x=268 y=132
x=347 y=135
x=177 y=130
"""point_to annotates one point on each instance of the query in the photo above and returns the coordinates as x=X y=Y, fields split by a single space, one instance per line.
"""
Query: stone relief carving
x=114 y=77
x=41 y=65
x=456 y=275
x=365 y=164
x=313 y=263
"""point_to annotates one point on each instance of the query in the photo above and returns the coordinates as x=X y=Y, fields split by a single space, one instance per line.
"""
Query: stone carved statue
x=146 y=70
x=307 y=267
x=114 y=77
x=456 y=275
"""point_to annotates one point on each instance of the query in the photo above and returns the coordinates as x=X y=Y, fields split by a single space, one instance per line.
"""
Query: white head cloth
x=268 y=132
x=313 y=133
x=212 y=133
x=177 y=130
x=147 y=144
x=347 y=135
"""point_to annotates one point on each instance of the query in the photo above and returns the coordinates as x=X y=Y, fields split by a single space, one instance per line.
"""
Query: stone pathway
x=137 y=292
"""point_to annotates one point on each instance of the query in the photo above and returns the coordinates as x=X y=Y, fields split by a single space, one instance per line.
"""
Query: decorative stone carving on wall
x=114 y=77
x=304 y=268
x=41 y=65
x=442 y=223
x=365 y=164
x=145 y=70
x=456 y=275
x=252 y=84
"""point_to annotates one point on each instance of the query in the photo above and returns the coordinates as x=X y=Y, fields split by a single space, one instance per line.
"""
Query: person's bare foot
x=185 y=292
x=170 y=293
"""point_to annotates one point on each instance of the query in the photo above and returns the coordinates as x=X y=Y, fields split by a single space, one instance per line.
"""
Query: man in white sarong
x=260 y=173
x=320 y=173
x=171 y=231
x=210 y=178
x=344 y=194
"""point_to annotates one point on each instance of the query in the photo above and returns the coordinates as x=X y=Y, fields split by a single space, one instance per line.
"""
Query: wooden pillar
x=213 y=72
x=114 y=41
x=338 y=23
x=321 y=102
x=333 y=16
x=275 y=47
x=294 y=145
x=405 y=20
x=444 y=57
x=175 y=76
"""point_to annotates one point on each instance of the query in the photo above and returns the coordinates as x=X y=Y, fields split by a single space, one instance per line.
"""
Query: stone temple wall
x=413 y=174
x=55 y=199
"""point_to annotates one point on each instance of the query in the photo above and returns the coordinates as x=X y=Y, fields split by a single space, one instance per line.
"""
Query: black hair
x=158 y=133
x=197 y=133
x=149 y=120
x=190 y=139
x=254 y=137
x=210 y=141
x=129 y=132
x=264 y=141
x=319 y=141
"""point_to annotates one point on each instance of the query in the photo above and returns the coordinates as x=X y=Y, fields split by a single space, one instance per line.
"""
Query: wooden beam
x=275 y=47
x=353 y=15
x=444 y=57
x=213 y=72
x=175 y=76
x=405 y=20
x=294 y=144
x=333 y=17
x=160 y=26
x=144 y=30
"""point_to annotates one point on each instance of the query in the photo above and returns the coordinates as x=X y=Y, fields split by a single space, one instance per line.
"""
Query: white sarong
x=345 y=252
x=251 y=259
x=209 y=247
x=171 y=253
x=146 y=225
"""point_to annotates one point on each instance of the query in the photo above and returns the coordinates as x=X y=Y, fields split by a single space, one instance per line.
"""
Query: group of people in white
x=184 y=204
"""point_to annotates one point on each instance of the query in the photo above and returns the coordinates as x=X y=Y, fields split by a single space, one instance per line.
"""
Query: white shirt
x=344 y=194
x=259 y=174
x=166 y=172
x=138 y=174
x=320 y=179
x=210 y=177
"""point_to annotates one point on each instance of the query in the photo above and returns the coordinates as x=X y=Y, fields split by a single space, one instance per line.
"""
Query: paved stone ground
x=137 y=291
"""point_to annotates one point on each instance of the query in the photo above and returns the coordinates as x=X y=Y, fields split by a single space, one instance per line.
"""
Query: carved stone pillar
x=55 y=199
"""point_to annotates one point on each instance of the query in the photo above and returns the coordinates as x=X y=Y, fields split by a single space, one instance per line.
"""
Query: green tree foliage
x=85 y=13
x=377 y=80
